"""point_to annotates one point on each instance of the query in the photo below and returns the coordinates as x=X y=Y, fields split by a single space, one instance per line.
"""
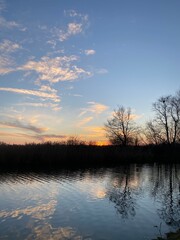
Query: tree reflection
x=166 y=187
x=122 y=193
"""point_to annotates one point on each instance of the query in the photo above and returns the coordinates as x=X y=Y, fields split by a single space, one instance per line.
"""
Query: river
x=128 y=202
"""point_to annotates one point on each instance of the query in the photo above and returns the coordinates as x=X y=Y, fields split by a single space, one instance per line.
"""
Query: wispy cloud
x=95 y=132
x=73 y=28
x=77 y=95
x=53 y=106
x=84 y=121
x=47 y=88
x=32 y=137
x=2 y=5
x=7 y=64
x=101 y=71
x=90 y=52
x=75 y=14
x=23 y=125
x=96 y=108
x=50 y=137
x=52 y=96
x=8 y=24
x=7 y=46
x=56 y=69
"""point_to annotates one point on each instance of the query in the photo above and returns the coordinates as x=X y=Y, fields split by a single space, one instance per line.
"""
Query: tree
x=121 y=129
x=153 y=132
x=175 y=115
x=162 y=110
x=167 y=118
x=74 y=141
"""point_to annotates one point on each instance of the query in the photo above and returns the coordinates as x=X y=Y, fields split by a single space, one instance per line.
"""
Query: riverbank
x=53 y=155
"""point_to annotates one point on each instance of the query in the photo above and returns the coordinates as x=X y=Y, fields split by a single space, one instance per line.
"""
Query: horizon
x=64 y=67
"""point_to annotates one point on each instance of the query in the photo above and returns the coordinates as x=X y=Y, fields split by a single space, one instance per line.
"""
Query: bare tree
x=167 y=118
x=121 y=129
x=153 y=132
x=162 y=110
x=74 y=141
x=175 y=115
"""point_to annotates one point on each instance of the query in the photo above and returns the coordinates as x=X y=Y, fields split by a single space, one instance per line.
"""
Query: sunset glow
x=66 y=65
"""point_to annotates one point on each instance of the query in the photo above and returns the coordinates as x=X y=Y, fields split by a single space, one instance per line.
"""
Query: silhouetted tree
x=175 y=114
x=167 y=119
x=74 y=141
x=162 y=110
x=121 y=129
x=153 y=133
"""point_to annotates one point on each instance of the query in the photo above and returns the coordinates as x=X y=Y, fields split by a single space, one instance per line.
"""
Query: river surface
x=129 y=202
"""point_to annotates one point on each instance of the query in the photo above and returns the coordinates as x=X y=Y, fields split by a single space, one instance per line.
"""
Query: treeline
x=56 y=155
x=164 y=128
x=158 y=141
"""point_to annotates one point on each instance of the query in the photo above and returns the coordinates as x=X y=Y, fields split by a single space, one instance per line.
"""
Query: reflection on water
x=118 y=203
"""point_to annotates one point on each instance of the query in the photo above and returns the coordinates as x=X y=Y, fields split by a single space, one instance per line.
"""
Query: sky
x=65 y=65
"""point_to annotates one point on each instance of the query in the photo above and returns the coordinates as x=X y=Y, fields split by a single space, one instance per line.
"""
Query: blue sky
x=65 y=65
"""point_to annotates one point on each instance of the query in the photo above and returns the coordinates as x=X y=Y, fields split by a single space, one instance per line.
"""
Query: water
x=129 y=202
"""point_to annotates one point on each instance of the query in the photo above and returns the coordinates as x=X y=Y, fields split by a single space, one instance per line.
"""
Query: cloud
x=90 y=52
x=136 y=116
x=94 y=107
x=52 y=96
x=8 y=46
x=15 y=135
x=10 y=24
x=47 y=88
x=72 y=29
x=56 y=69
x=96 y=133
x=49 y=137
x=7 y=64
x=84 y=121
x=53 y=43
x=71 y=13
x=23 y=125
x=74 y=14
x=53 y=106
x=2 y=5
x=97 y=108
x=102 y=71
x=37 y=138
x=76 y=95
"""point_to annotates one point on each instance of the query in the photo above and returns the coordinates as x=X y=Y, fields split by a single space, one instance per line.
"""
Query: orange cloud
x=84 y=121
x=96 y=108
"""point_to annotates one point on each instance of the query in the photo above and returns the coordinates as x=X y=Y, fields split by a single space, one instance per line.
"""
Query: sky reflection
x=85 y=204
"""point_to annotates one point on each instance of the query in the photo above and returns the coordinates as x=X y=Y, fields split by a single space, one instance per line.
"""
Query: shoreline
x=54 y=155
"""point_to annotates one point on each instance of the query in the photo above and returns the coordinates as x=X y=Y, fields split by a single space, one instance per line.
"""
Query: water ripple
x=91 y=203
